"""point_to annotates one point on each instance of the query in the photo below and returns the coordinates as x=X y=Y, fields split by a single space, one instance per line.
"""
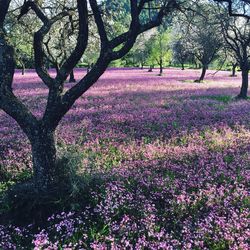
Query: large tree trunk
x=7 y=64
x=44 y=159
x=203 y=73
x=244 y=85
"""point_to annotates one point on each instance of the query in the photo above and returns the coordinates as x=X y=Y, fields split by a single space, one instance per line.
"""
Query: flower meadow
x=165 y=162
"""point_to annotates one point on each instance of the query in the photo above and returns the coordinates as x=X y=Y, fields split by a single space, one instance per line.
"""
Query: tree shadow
x=133 y=104
x=156 y=114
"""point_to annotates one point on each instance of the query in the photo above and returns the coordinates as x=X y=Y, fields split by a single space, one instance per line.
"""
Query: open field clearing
x=164 y=162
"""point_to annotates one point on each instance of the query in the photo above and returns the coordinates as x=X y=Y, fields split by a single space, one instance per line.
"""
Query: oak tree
x=41 y=132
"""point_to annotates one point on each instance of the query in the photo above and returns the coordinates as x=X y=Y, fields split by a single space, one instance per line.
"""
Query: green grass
x=220 y=98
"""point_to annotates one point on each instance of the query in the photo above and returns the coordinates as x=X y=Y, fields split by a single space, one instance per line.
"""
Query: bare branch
x=82 y=42
x=39 y=52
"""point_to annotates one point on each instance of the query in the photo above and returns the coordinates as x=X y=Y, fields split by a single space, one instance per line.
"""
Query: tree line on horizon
x=199 y=37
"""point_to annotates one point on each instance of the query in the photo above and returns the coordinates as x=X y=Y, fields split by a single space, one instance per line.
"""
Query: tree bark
x=234 y=70
x=7 y=64
x=161 y=68
x=151 y=68
x=72 y=77
x=244 y=85
x=57 y=68
x=44 y=159
x=23 y=70
x=203 y=73
x=182 y=66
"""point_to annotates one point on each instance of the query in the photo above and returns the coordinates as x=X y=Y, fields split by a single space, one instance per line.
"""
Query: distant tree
x=41 y=132
x=180 y=52
x=160 y=49
x=140 y=52
x=236 y=32
x=234 y=67
x=232 y=61
x=203 y=38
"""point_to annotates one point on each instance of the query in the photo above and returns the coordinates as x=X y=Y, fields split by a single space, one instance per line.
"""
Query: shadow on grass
x=21 y=204
x=158 y=114
x=144 y=115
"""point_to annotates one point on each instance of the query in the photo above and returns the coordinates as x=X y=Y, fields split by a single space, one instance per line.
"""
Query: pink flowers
x=41 y=240
x=171 y=161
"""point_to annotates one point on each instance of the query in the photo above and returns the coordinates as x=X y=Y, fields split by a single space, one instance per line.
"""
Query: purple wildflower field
x=170 y=157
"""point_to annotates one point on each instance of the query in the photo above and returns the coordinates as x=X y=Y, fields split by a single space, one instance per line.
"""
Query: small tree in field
x=180 y=52
x=236 y=32
x=232 y=61
x=41 y=132
x=202 y=37
x=140 y=52
x=160 y=51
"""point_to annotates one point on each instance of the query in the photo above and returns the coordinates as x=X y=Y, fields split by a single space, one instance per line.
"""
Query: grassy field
x=163 y=163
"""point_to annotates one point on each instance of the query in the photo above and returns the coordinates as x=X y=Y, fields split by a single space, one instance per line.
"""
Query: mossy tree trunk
x=44 y=158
